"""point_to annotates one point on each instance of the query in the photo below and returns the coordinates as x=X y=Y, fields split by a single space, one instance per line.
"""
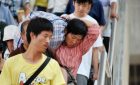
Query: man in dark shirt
x=96 y=11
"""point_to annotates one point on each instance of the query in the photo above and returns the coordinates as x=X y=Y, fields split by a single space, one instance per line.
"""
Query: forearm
x=113 y=6
x=90 y=38
x=95 y=59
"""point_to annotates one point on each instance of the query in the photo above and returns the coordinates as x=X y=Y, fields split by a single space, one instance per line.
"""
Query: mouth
x=80 y=11
x=46 y=45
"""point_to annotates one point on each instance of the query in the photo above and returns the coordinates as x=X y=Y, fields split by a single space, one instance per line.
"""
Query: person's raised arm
x=91 y=37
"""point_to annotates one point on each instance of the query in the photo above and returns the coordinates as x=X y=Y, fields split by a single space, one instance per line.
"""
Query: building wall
x=133 y=24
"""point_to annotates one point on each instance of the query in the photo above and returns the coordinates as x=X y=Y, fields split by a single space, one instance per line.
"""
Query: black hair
x=3 y=44
x=2 y=26
x=83 y=1
x=77 y=27
x=37 y=25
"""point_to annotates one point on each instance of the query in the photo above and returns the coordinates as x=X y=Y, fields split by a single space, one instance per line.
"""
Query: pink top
x=71 y=57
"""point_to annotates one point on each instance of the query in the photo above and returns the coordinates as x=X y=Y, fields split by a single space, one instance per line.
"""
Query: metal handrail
x=101 y=79
x=116 y=56
x=106 y=62
x=112 y=43
x=108 y=70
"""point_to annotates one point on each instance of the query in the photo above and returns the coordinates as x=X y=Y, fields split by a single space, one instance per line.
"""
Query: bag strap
x=37 y=71
x=71 y=77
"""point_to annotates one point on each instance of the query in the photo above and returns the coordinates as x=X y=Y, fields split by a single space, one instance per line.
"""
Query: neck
x=25 y=46
x=78 y=15
x=31 y=55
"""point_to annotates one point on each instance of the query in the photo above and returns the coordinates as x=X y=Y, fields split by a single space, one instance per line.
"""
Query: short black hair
x=77 y=27
x=83 y=1
x=37 y=25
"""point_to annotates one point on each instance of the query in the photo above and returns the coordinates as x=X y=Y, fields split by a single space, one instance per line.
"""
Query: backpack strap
x=37 y=71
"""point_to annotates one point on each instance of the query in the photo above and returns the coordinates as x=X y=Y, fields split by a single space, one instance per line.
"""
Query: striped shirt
x=71 y=57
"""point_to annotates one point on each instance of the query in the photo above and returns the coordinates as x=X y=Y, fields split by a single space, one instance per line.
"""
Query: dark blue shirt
x=96 y=11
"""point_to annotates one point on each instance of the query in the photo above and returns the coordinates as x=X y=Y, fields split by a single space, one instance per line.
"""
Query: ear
x=32 y=35
x=90 y=5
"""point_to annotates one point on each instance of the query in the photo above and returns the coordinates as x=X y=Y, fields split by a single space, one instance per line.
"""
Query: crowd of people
x=67 y=35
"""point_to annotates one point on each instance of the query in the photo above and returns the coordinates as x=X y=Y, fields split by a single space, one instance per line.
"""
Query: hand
x=113 y=11
x=114 y=15
x=95 y=76
x=65 y=16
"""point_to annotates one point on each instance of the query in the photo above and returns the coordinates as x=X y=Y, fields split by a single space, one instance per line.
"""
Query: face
x=42 y=40
x=27 y=6
x=81 y=9
x=73 y=40
x=23 y=35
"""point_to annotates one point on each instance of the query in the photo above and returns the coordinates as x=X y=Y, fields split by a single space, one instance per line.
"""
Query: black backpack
x=2 y=43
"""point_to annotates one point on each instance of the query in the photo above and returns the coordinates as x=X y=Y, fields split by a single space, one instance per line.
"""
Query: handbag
x=28 y=82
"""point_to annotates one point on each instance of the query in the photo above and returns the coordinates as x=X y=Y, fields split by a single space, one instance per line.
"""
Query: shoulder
x=52 y=61
x=72 y=16
x=92 y=19
x=53 y=66
x=17 y=51
x=14 y=59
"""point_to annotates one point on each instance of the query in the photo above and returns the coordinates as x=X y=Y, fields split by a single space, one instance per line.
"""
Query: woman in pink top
x=79 y=37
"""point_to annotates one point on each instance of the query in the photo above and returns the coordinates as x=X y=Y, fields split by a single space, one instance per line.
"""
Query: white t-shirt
x=84 y=68
x=11 y=32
